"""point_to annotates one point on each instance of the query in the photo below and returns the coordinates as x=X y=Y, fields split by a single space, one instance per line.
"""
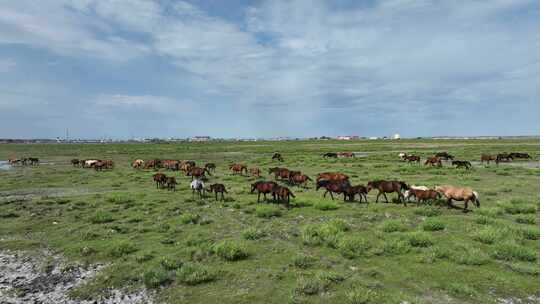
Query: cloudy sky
x=139 y=68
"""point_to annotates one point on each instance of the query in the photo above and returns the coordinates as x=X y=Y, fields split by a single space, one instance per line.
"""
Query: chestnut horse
x=488 y=158
x=263 y=187
x=331 y=187
x=238 y=168
x=332 y=176
x=197 y=172
x=433 y=161
x=345 y=154
x=282 y=194
x=299 y=179
x=388 y=187
x=160 y=179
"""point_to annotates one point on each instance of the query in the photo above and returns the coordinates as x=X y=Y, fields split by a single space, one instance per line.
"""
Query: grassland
x=238 y=251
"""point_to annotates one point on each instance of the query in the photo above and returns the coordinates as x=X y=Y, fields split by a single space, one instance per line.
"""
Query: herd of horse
x=26 y=161
x=438 y=158
x=333 y=183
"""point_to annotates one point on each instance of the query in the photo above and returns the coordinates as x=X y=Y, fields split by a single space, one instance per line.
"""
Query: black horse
x=462 y=164
x=330 y=155
x=277 y=156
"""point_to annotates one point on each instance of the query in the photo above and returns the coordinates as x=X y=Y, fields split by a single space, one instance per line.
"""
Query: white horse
x=197 y=185
x=89 y=163
x=402 y=155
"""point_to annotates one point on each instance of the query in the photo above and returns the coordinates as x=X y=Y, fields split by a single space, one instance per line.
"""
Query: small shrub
x=489 y=235
x=393 y=226
x=230 y=250
x=433 y=225
x=525 y=268
x=327 y=233
x=267 y=211
x=171 y=263
x=361 y=295
x=518 y=207
x=122 y=248
x=304 y=261
x=420 y=239
x=484 y=220
x=490 y=211
x=155 y=278
x=193 y=274
x=427 y=211
x=101 y=217
x=468 y=255
x=325 y=205
x=120 y=199
x=144 y=257
x=514 y=252
x=253 y=234
x=353 y=246
x=396 y=247
x=308 y=286
x=529 y=233
x=189 y=218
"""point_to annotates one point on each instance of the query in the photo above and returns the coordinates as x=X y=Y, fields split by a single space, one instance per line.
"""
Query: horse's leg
x=385 y=198
x=377 y=200
x=466 y=205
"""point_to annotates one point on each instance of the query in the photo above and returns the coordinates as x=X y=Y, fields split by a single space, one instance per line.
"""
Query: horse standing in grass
x=238 y=169
x=388 y=187
x=138 y=163
x=444 y=156
x=433 y=161
x=412 y=158
x=160 y=179
x=520 y=155
x=464 y=194
x=255 y=172
x=198 y=173
x=330 y=155
x=346 y=154
x=462 y=164
x=282 y=173
x=422 y=195
x=171 y=183
x=351 y=191
x=331 y=187
x=282 y=194
x=504 y=157
x=299 y=179
x=488 y=158
x=263 y=187
x=210 y=167
x=75 y=162
x=277 y=156
x=218 y=188
x=197 y=186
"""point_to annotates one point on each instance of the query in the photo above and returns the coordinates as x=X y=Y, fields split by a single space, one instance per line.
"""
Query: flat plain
x=191 y=250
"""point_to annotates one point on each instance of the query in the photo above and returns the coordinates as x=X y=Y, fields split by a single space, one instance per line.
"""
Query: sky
x=269 y=68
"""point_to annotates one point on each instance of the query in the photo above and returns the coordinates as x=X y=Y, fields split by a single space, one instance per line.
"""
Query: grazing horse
x=75 y=162
x=299 y=179
x=433 y=161
x=388 y=187
x=462 y=164
x=277 y=156
x=330 y=155
x=332 y=176
x=487 y=158
x=210 y=167
x=197 y=185
x=282 y=194
x=422 y=195
x=218 y=188
x=412 y=158
x=137 y=164
x=444 y=156
x=331 y=187
x=464 y=194
x=520 y=155
x=346 y=154
x=160 y=179
x=238 y=169
x=171 y=183
x=282 y=173
x=153 y=163
x=185 y=167
x=262 y=187
x=351 y=191
x=255 y=171
x=504 y=157
x=171 y=164
x=197 y=172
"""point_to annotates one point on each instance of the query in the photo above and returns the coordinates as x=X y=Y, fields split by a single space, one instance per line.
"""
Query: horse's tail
x=476 y=198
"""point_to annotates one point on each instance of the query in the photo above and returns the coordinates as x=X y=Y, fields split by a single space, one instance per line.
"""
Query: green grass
x=191 y=250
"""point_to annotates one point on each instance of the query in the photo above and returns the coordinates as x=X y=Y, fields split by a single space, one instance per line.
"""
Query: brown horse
x=255 y=172
x=238 y=169
x=263 y=187
x=345 y=154
x=153 y=164
x=464 y=194
x=277 y=156
x=171 y=164
x=520 y=155
x=388 y=187
x=197 y=172
x=299 y=179
x=433 y=161
x=171 y=183
x=423 y=195
x=487 y=158
x=331 y=187
x=282 y=194
x=351 y=191
x=75 y=162
x=412 y=158
x=160 y=179
x=332 y=176
x=218 y=188
x=137 y=163
x=282 y=173
x=462 y=164
x=444 y=156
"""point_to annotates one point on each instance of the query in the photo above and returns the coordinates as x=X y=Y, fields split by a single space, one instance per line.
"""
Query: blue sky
x=241 y=68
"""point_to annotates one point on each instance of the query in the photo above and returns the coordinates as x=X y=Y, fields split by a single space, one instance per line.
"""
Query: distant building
x=200 y=138
x=396 y=136
x=373 y=138
x=347 y=137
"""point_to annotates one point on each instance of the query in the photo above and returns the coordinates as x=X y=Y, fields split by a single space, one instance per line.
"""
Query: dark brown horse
x=330 y=155
x=520 y=155
x=331 y=187
x=388 y=187
x=238 y=169
x=152 y=164
x=263 y=187
x=332 y=176
x=160 y=179
x=412 y=158
x=218 y=188
x=504 y=157
x=75 y=162
x=171 y=183
x=277 y=156
x=462 y=164
x=282 y=194
x=299 y=179
x=197 y=172
x=210 y=167
x=282 y=173
x=444 y=156
x=433 y=161
x=351 y=191
x=345 y=154
x=171 y=164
